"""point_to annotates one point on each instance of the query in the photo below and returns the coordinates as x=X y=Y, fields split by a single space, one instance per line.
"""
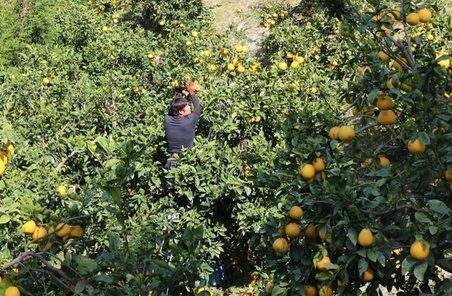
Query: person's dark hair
x=177 y=104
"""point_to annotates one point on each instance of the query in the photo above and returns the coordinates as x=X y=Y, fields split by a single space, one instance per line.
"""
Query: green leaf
x=80 y=287
x=407 y=264
x=4 y=219
x=420 y=270
x=433 y=229
x=352 y=236
x=362 y=265
x=103 y=278
x=372 y=255
x=372 y=95
x=422 y=217
x=438 y=206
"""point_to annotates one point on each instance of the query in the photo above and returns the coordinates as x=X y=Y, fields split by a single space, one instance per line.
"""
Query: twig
x=64 y=160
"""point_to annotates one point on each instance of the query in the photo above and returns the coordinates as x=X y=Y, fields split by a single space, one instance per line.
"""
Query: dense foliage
x=83 y=90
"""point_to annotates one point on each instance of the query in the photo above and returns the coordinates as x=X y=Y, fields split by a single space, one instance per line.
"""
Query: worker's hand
x=191 y=88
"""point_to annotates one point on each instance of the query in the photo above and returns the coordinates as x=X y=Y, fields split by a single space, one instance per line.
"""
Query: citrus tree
x=371 y=185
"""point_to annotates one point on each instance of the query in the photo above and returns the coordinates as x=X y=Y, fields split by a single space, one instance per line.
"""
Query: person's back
x=180 y=123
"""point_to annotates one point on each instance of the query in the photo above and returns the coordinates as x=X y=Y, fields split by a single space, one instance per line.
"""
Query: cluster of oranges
x=6 y=153
x=293 y=230
x=46 y=237
x=312 y=171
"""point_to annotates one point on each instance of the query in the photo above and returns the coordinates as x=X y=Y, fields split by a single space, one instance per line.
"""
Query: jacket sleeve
x=196 y=105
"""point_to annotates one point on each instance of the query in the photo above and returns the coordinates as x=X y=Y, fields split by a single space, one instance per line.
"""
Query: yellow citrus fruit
x=296 y=212
x=292 y=229
x=12 y=291
x=419 y=250
x=325 y=291
x=231 y=67
x=322 y=234
x=321 y=263
x=385 y=103
x=365 y=237
x=4 y=157
x=448 y=176
x=76 y=231
x=319 y=164
x=383 y=56
x=300 y=59
x=39 y=233
x=368 y=275
x=387 y=117
x=346 y=133
x=62 y=229
x=308 y=171
x=384 y=161
x=294 y=64
x=29 y=227
x=45 y=247
x=334 y=132
x=280 y=245
x=2 y=167
x=51 y=229
x=282 y=66
x=412 y=19
x=416 y=147
x=61 y=190
x=241 y=69
x=311 y=231
x=310 y=291
x=424 y=15
x=224 y=52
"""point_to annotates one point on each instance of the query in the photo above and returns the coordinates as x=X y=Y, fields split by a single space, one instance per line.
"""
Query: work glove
x=191 y=88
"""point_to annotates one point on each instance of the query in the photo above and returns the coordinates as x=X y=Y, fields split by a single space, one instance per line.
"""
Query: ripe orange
x=240 y=69
x=61 y=190
x=280 y=245
x=365 y=237
x=419 y=250
x=368 y=275
x=76 y=231
x=416 y=147
x=62 y=229
x=39 y=233
x=346 y=133
x=387 y=117
x=385 y=103
x=310 y=291
x=448 y=176
x=296 y=212
x=45 y=247
x=292 y=229
x=319 y=164
x=307 y=171
x=321 y=263
x=383 y=56
x=412 y=19
x=333 y=133
x=29 y=227
x=311 y=231
x=282 y=66
x=2 y=167
x=294 y=65
x=4 y=157
x=424 y=15
x=384 y=161
x=325 y=291
x=231 y=67
x=12 y=291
